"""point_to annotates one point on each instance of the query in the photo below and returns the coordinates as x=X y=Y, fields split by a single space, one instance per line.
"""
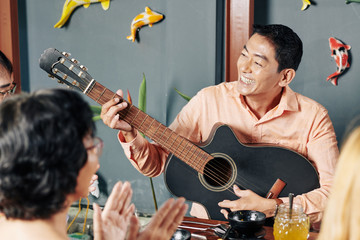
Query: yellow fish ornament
x=148 y=17
x=306 y=4
x=70 y=5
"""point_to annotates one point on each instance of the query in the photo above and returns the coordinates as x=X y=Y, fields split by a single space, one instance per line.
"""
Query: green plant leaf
x=186 y=97
x=96 y=118
x=96 y=109
x=142 y=107
x=142 y=95
x=96 y=112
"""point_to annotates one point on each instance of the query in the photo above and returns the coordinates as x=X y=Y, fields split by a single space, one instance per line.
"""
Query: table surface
x=200 y=228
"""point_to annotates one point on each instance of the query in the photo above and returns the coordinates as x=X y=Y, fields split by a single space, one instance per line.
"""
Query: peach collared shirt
x=297 y=123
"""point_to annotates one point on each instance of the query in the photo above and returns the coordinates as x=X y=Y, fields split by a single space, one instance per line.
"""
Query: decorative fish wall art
x=148 y=17
x=339 y=51
x=306 y=4
x=350 y=1
x=70 y=5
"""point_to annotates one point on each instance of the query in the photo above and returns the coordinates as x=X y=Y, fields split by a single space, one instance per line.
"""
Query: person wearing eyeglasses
x=7 y=84
x=48 y=154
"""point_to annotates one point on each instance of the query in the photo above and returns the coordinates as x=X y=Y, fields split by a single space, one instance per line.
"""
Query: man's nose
x=244 y=66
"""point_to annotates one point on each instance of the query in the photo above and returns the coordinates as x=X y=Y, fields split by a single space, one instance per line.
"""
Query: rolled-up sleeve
x=147 y=158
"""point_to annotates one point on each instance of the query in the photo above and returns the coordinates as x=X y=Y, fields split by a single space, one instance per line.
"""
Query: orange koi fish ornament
x=70 y=5
x=148 y=17
x=339 y=51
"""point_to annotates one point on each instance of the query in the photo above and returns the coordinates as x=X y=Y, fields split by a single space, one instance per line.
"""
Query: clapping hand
x=112 y=223
x=163 y=224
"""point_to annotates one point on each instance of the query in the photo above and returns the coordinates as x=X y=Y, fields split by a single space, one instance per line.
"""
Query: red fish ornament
x=339 y=51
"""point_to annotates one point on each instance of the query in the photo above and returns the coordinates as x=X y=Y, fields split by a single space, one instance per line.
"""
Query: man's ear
x=288 y=75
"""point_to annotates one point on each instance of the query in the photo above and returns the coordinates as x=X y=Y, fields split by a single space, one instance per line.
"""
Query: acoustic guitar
x=204 y=174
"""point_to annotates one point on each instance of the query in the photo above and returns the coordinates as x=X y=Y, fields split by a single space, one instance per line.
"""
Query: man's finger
x=227 y=204
x=225 y=213
x=120 y=93
x=238 y=191
x=106 y=106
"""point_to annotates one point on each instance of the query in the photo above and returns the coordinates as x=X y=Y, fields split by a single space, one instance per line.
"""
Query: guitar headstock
x=67 y=70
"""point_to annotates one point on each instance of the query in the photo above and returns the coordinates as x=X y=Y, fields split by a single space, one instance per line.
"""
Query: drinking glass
x=291 y=225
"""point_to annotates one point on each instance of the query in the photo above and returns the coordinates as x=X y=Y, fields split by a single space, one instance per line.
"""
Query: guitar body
x=250 y=167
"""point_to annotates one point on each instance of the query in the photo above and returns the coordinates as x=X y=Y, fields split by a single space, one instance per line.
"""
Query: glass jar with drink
x=291 y=224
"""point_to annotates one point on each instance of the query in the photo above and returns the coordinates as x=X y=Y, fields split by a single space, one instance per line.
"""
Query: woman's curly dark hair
x=41 y=151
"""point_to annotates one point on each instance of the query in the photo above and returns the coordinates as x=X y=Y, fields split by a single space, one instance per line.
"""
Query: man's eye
x=259 y=64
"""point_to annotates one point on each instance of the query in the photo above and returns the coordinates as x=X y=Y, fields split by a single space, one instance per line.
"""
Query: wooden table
x=193 y=225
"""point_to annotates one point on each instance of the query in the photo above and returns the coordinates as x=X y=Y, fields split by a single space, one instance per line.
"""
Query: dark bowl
x=181 y=234
x=246 y=221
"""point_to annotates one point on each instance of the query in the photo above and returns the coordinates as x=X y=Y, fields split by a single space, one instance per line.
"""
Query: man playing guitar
x=261 y=108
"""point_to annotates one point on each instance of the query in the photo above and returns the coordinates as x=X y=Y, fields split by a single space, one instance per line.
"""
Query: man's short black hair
x=41 y=151
x=288 y=45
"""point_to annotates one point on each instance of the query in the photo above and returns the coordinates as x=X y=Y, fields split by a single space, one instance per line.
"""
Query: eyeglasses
x=97 y=147
x=10 y=91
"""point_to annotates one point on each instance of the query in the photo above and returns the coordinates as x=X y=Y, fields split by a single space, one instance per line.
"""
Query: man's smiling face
x=258 y=69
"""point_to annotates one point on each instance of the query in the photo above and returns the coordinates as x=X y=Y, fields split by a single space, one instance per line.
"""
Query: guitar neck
x=183 y=149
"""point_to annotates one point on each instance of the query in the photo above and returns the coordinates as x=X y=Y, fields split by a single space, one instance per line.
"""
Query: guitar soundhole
x=218 y=172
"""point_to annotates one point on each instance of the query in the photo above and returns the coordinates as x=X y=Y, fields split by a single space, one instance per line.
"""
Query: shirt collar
x=288 y=101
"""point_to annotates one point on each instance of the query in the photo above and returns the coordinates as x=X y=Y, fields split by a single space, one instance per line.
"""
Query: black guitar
x=206 y=173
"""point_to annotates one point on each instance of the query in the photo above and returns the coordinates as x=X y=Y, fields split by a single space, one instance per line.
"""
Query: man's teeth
x=246 y=80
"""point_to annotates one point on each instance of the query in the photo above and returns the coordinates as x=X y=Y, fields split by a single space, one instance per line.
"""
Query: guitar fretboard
x=183 y=149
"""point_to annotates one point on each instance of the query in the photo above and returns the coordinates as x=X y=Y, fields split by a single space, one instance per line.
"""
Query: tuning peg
x=75 y=83
x=51 y=76
x=80 y=74
x=61 y=82
x=83 y=67
x=66 y=54
x=75 y=61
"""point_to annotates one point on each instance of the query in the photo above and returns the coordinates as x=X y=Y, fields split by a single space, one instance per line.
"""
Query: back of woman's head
x=342 y=215
x=41 y=151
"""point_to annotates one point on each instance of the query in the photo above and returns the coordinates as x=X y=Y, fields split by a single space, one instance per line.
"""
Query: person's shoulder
x=219 y=88
x=309 y=103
